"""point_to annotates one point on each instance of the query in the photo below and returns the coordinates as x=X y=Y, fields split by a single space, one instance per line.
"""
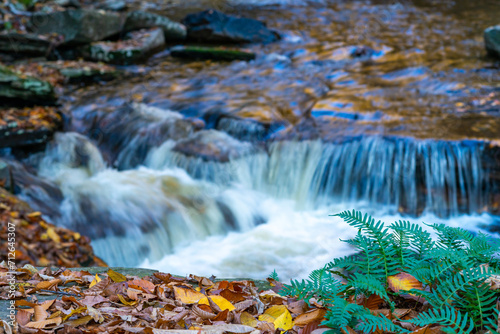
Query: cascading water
x=438 y=177
x=211 y=187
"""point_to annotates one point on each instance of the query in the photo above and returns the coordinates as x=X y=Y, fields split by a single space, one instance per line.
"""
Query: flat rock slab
x=27 y=44
x=28 y=126
x=492 y=40
x=140 y=19
x=137 y=47
x=78 y=26
x=216 y=27
x=201 y=53
x=30 y=90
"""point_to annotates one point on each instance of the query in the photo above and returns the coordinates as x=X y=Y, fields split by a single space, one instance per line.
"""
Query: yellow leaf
x=403 y=281
x=96 y=280
x=73 y=312
x=126 y=302
x=279 y=316
x=187 y=295
x=53 y=235
x=222 y=302
x=116 y=277
x=248 y=319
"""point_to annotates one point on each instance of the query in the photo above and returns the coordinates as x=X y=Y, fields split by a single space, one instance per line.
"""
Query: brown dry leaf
x=141 y=283
x=222 y=316
x=373 y=302
x=23 y=317
x=43 y=323
x=45 y=285
x=349 y=331
x=428 y=330
x=313 y=315
x=187 y=295
x=232 y=296
x=310 y=327
x=116 y=277
x=40 y=313
x=202 y=313
x=220 y=329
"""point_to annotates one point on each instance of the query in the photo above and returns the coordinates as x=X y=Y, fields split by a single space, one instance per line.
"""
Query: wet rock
x=140 y=19
x=114 y=5
x=27 y=44
x=78 y=71
x=200 y=53
x=17 y=86
x=78 y=26
x=63 y=71
x=126 y=134
x=212 y=145
x=137 y=46
x=28 y=126
x=216 y=27
x=6 y=178
x=492 y=40
x=243 y=129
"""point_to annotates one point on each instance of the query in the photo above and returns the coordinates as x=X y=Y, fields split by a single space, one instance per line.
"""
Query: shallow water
x=400 y=130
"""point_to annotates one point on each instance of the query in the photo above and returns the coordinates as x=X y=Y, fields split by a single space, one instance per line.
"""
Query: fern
x=453 y=270
x=453 y=320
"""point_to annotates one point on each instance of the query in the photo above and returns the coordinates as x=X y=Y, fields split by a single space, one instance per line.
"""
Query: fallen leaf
x=187 y=295
x=313 y=315
x=220 y=301
x=279 y=316
x=116 y=277
x=96 y=280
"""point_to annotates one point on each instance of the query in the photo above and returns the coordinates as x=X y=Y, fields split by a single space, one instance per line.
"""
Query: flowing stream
x=234 y=169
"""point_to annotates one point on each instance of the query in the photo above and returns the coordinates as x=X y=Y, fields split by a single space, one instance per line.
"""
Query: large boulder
x=16 y=86
x=492 y=40
x=137 y=47
x=78 y=26
x=140 y=19
x=216 y=27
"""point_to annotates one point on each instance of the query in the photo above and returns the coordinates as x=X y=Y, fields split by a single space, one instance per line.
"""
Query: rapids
x=364 y=105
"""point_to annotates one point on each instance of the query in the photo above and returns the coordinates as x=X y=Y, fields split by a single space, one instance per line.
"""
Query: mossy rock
x=17 y=86
x=202 y=53
x=137 y=47
x=492 y=40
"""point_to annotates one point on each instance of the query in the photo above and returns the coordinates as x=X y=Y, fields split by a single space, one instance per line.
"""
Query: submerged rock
x=199 y=53
x=17 y=86
x=78 y=26
x=214 y=26
x=213 y=145
x=137 y=47
x=28 y=126
x=492 y=40
x=140 y=19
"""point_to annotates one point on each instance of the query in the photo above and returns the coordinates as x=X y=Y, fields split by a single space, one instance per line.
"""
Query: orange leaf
x=146 y=285
x=373 y=302
x=305 y=318
x=43 y=323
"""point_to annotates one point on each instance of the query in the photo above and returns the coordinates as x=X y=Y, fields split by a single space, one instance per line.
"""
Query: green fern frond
x=371 y=323
x=452 y=320
x=343 y=314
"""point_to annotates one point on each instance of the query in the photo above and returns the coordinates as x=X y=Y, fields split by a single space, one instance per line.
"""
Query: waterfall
x=411 y=176
x=140 y=213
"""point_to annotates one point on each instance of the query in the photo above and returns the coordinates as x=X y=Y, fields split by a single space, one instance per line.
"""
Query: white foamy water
x=257 y=213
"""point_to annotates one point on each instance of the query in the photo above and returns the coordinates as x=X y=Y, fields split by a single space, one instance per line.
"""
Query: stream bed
x=235 y=168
